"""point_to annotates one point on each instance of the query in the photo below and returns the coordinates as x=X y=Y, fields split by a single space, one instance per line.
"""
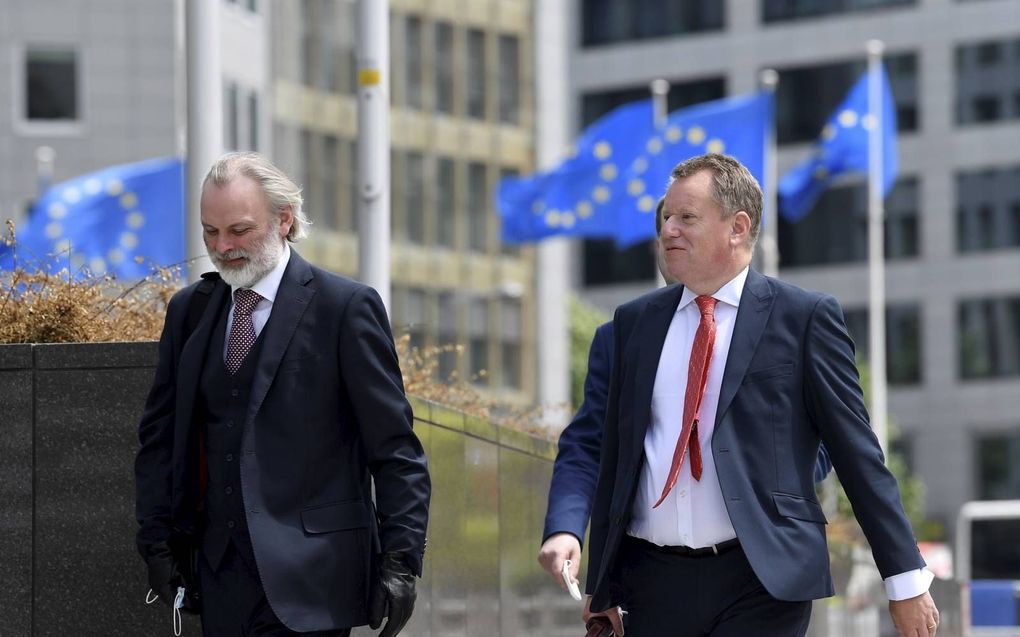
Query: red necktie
x=697 y=375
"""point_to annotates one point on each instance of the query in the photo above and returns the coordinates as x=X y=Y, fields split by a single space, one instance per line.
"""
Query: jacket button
x=229 y=490
x=230 y=423
x=230 y=457
x=230 y=524
x=234 y=392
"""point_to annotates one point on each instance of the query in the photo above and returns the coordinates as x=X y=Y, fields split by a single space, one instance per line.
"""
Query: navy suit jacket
x=576 y=469
x=327 y=416
x=790 y=381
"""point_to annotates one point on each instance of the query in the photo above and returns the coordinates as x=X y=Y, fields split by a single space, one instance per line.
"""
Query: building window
x=609 y=21
x=351 y=173
x=329 y=174
x=446 y=206
x=412 y=62
x=478 y=340
x=446 y=332
x=347 y=202
x=477 y=208
x=807 y=96
x=414 y=198
x=231 y=125
x=603 y=262
x=253 y=121
x=998 y=468
x=51 y=85
x=509 y=249
x=781 y=10
x=509 y=79
x=987 y=82
x=444 y=68
x=510 y=333
x=989 y=337
x=902 y=341
x=476 y=74
x=836 y=230
x=307 y=183
x=988 y=209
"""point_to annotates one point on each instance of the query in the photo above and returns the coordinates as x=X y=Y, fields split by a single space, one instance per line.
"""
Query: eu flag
x=842 y=148
x=121 y=221
x=577 y=197
x=736 y=126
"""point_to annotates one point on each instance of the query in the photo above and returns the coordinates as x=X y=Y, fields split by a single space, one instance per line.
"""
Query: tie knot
x=245 y=301
x=706 y=304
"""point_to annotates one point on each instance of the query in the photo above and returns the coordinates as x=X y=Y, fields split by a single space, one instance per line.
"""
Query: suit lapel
x=752 y=316
x=650 y=330
x=291 y=301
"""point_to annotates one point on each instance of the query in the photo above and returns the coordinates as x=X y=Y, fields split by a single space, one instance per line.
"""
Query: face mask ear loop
x=178 y=603
x=150 y=597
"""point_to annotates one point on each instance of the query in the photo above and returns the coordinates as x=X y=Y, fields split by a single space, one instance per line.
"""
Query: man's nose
x=222 y=244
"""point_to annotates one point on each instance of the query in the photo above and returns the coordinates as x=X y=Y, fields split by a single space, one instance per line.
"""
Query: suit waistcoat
x=223 y=405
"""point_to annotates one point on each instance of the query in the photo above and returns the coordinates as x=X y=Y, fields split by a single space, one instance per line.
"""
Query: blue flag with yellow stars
x=736 y=126
x=577 y=197
x=842 y=148
x=119 y=221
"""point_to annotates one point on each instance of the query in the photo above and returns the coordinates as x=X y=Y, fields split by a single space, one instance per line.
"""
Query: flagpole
x=660 y=105
x=769 y=79
x=205 y=119
x=373 y=147
x=876 y=246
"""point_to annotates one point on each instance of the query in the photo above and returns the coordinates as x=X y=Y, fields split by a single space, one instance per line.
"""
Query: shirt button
x=229 y=490
x=683 y=492
x=230 y=457
x=230 y=524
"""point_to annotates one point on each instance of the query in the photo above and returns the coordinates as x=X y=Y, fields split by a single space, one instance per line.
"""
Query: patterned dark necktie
x=697 y=375
x=242 y=332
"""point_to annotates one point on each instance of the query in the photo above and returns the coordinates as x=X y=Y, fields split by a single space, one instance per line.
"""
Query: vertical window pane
x=478 y=330
x=509 y=79
x=988 y=209
x=329 y=165
x=998 y=465
x=305 y=154
x=231 y=126
x=414 y=194
x=510 y=331
x=476 y=73
x=446 y=207
x=447 y=335
x=478 y=208
x=509 y=249
x=444 y=67
x=989 y=337
x=51 y=85
x=902 y=341
x=987 y=82
x=253 y=121
x=413 y=61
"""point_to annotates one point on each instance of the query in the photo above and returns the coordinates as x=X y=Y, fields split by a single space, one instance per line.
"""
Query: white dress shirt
x=266 y=287
x=694 y=513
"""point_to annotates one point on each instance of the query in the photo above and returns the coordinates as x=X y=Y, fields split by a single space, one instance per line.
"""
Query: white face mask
x=258 y=261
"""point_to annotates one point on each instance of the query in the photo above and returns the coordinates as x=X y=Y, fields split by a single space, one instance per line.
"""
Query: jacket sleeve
x=396 y=459
x=153 y=464
x=835 y=403
x=576 y=469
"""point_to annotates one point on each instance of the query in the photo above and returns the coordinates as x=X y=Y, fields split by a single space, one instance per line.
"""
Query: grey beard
x=260 y=262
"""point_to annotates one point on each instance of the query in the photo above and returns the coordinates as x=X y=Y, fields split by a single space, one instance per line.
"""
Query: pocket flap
x=758 y=375
x=339 y=516
x=793 y=506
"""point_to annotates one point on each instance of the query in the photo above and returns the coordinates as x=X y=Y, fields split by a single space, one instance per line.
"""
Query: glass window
x=609 y=21
x=307 y=184
x=231 y=125
x=309 y=42
x=444 y=67
x=603 y=262
x=807 y=96
x=351 y=174
x=478 y=330
x=998 y=468
x=509 y=79
x=51 y=85
x=253 y=120
x=509 y=249
x=413 y=61
x=988 y=209
x=476 y=74
x=446 y=207
x=989 y=337
x=779 y=10
x=329 y=174
x=477 y=208
x=414 y=195
x=446 y=331
x=510 y=330
x=836 y=230
x=987 y=82
x=902 y=341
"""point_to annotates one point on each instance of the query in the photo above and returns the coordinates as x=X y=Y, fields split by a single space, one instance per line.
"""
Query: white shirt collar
x=268 y=285
x=729 y=293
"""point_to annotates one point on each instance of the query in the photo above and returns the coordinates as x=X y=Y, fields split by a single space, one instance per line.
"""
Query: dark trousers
x=235 y=605
x=669 y=595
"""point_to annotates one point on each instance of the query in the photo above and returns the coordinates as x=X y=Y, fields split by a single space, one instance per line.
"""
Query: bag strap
x=199 y=301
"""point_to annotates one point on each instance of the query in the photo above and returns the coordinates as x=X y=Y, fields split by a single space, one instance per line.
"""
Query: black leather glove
x=164 y=576
x=393 y=589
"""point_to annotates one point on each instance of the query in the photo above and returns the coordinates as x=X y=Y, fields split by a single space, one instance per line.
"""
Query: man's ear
x=286 y=220
x=740 y=228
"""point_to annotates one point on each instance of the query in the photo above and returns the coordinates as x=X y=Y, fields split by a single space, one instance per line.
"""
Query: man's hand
x=393 y=588
x=164 y=577
x=614 y=615
x=915 y=617
x=556 y=550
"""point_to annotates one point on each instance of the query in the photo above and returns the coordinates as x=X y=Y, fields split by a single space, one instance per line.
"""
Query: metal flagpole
x=769 y=79
x=660 y=107
x=876 y=246
x=205 y=119
x=373 y=146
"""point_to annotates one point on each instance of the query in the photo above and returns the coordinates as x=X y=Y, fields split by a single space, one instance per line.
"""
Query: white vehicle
x=988 y=568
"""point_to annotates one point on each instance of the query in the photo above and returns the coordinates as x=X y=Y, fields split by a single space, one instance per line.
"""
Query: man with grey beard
x=277 y=404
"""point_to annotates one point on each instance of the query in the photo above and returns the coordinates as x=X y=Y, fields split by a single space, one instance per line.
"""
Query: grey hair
x=733 y=186
x=281 y=192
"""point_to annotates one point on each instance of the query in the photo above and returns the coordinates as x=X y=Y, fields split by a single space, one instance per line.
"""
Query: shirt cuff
x=908 y=585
